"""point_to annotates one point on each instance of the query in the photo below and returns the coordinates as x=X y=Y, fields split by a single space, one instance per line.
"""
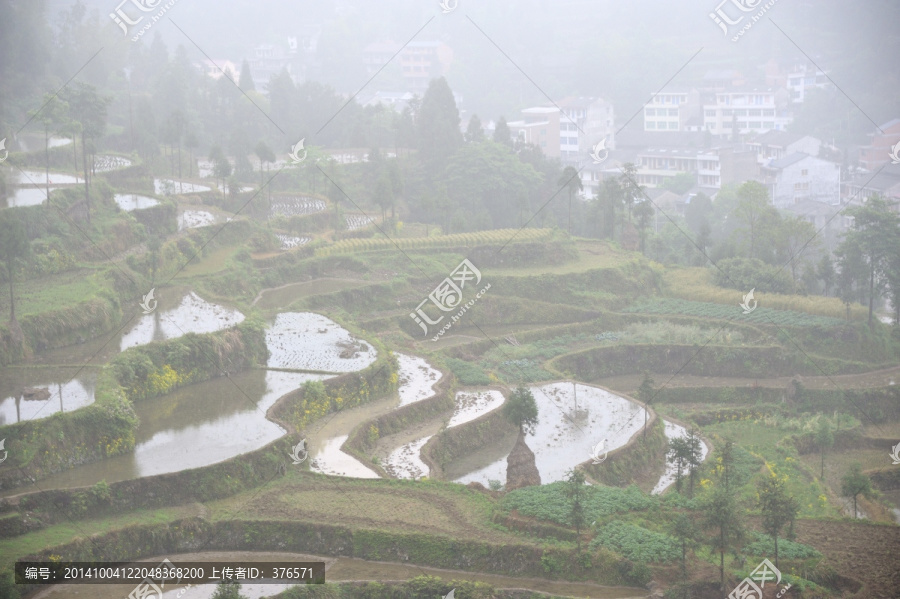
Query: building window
x=673 y=112
x=804 y=173
x=651 y=125
x=768 y=125
x=756 y=112
x=650 y=112
x=673 y=125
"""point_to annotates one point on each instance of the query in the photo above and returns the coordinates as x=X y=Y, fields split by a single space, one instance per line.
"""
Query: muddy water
x=192 y=314
x=416 y=379
x=192 y=427
x=33 y=393
x=309 y=341
x=171 y=187
x=213 y=421
x=30 y=177
x=673 y=431
x=27 y=196
x=131 y=201
x=572 y=419
x=405 y=460
x=337 y=569
x=194 y=219
x=325 y=437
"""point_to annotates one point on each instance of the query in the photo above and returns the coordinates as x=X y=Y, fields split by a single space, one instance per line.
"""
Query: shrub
x=748 y=273
x=636 y=543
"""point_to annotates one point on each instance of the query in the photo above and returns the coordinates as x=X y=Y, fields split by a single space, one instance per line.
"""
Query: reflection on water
x=132 y=201
x=194 y=426
x=416 y=379
x=331 y=460
x=29 y=177
x=673 y=431
x=170 y=187
x=27 y=196
x=572 y=419
x=33 y=393
x=192 y=315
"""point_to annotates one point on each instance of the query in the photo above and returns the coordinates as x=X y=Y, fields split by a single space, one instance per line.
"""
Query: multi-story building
x=712 y=167
x=745 y=111
x=583 y=124
x=775 y=145
x=268 y=60
x=540 y=126
x=800 y=177
x=419 y=62
x=886 y=183
x=878 y=151
x=671 y=110
x=804 y=77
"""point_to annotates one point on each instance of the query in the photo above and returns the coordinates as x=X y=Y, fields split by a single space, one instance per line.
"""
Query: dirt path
x=867 y=380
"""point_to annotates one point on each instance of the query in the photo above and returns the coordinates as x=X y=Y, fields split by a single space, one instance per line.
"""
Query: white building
x=803 y=78
x=746 y=111
x=775 y=145
x=800 y=177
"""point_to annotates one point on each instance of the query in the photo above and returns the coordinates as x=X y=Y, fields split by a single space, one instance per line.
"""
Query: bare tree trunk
x=87 y=191
x=12 y=296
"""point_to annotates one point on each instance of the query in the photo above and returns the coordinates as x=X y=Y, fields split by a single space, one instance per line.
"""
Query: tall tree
x=14 y=245
x=645 y=393
x=246 y=80
x=875 y=235
x=571 y=181
x=725 y=459
x=89 y=108
x=824 y=439
x=684 y=531
x=437 y=126
x=825 y=271
x=521 y=409
x=722 y=516
x=502 y=134
x=644 y=213
x=266 y=157
x=53 y=116
x=776 y=506
x=794 y=235
x=752 y=208
x=575 y=493
x=474 y=130
x=221 y=166
x=854 y=484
